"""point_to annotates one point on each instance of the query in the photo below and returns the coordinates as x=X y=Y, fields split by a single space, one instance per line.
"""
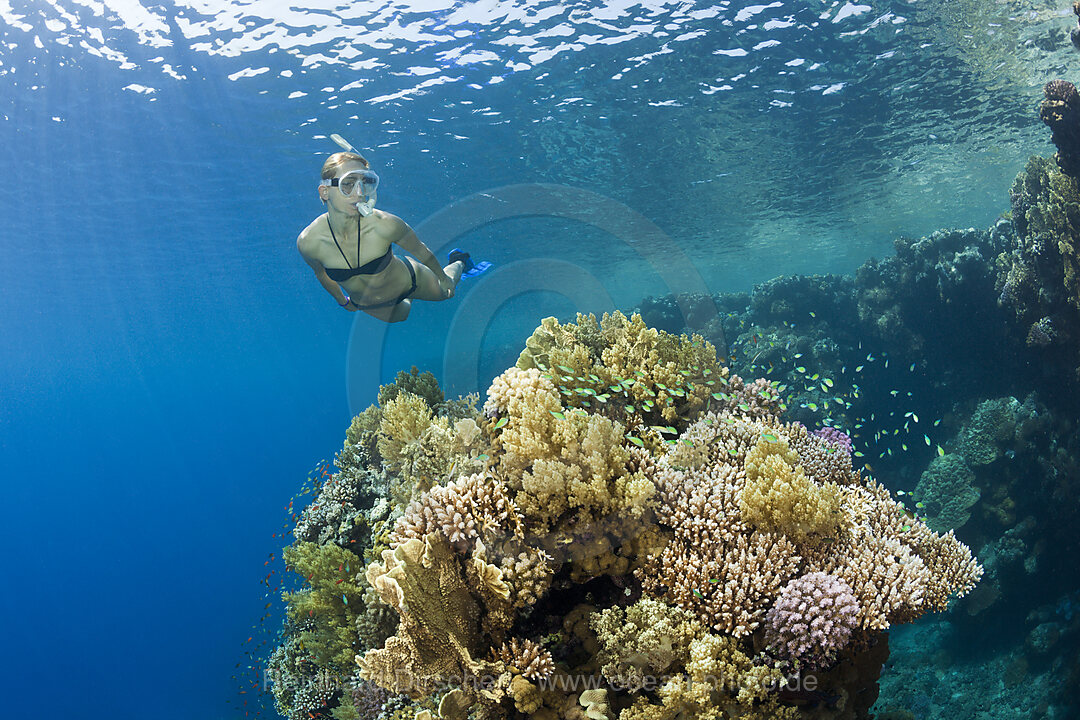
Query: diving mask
x=360 y=184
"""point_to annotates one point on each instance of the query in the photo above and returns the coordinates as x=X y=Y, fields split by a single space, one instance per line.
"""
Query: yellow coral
x=626 y=370
x=558 y=460
x=526 y=696
x=403 y=422
x=781 y=498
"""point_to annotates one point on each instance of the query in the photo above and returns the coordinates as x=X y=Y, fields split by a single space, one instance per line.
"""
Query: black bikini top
x=369 y=268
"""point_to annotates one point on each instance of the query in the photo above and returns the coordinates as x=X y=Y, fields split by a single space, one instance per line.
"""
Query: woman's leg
x=427 y=285
x=392 y=314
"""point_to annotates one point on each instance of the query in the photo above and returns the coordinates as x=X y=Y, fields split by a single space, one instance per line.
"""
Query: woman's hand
x=447 y=286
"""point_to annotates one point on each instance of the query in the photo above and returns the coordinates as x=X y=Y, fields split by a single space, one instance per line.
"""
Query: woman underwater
x=350 y=246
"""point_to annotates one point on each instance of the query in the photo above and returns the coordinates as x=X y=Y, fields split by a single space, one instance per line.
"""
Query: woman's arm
x=402 y=235
x=329 y=285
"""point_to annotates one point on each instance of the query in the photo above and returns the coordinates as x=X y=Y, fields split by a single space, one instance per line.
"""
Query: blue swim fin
x=471 y=269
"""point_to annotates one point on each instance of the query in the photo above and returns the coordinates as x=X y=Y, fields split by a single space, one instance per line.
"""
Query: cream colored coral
x=953 y=569
x=719 y=438
x=719 y=662
x=716 y=567
x=463 y=510
x=897 y=567
x=821 y=460
x=526 y=658
x=886 y=578
x=528 y=571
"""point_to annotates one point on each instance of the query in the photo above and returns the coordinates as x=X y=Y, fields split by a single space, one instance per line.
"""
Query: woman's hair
x=334 y=162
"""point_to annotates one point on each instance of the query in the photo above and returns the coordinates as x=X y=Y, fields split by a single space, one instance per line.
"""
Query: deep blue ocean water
x=171 y=370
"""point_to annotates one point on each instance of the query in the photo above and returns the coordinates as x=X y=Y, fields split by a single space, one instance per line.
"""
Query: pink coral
x=812 y=620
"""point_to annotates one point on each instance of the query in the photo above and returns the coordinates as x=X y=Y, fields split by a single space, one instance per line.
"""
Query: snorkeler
x=355 y=234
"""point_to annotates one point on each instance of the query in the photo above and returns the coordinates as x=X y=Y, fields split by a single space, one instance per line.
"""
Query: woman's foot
x=468 y=267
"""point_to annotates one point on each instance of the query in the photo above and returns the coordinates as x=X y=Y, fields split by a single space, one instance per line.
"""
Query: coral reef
x=1039 y=277
x=953 y=367
x=627 y=474
x=1061 y=112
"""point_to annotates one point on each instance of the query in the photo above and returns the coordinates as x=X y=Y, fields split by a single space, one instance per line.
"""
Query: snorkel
x=367 y=202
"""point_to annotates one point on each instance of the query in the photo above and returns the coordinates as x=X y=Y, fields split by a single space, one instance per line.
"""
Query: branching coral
x=461 y=511
x=715 y=567
x=528 y=659
x=825 y=454
x=896 y=567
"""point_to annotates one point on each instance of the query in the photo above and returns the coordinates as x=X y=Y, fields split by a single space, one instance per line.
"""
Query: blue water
x=171 y=369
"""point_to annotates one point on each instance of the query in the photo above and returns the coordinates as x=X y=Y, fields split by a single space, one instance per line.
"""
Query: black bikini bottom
x=403 y=296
